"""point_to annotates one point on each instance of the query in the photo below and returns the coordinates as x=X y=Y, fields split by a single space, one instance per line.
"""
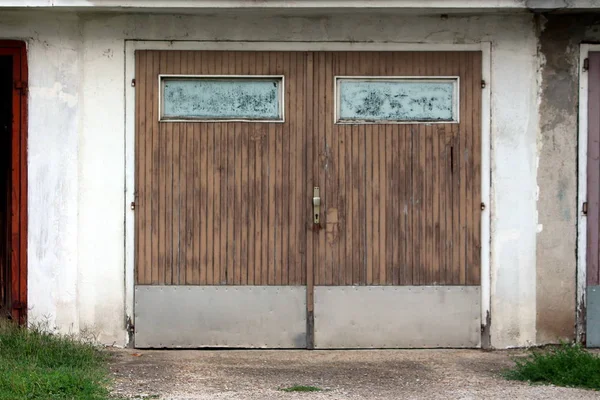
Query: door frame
x=18 y=242
x=129 y=139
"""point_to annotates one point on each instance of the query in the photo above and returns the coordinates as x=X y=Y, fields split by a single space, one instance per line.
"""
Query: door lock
x=316 y=206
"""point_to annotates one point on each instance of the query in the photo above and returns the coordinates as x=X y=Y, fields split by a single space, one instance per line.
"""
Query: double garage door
x=307 y=199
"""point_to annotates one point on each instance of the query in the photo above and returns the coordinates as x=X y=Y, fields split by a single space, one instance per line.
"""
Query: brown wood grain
x=230 y=202
x=220 y=203
x=405 y=197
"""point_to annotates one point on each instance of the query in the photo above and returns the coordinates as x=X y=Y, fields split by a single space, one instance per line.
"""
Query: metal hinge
x=584 y=208
x=483 y=84
x=482 y=206
x=21 y=85
x=132 y=205
x=586 y=64
x=133 y=83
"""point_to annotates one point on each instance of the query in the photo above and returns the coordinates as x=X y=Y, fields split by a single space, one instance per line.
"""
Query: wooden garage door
x=223 y=204
x=220 y=203
x=402 y=201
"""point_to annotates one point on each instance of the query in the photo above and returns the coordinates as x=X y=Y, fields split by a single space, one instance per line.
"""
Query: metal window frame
x=455 y=80
x=280 y=91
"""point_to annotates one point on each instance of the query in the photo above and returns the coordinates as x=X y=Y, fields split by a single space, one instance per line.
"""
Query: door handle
x=316 y=207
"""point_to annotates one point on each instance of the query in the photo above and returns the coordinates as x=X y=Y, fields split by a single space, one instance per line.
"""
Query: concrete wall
x=559 y=40
x=77 y=164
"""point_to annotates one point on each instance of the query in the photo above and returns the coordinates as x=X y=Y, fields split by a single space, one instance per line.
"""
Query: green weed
x=301 y=388
x=566 y=365
x=35 y=364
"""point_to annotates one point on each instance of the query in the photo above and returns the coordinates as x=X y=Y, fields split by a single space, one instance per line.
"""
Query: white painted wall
x=77 y=166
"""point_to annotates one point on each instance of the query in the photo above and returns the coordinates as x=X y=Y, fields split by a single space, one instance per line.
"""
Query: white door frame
x=132 y=45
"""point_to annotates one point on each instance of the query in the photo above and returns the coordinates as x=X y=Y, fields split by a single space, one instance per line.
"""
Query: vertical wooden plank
x=310 y=250
x=250 y=193
x=300 y=176
x=435 y=156
x=171 y=274
x=397 y=133
x=382 y=157
x=321 y=160
x=264 y=188
x=201 y=222
x=236 y=211
x=229 y=206
x=148 y=95
x=404 y=268
x=428 y=206
x=389 y=207
x=272 y=151
x=443 y=205
x=373 y=180
x=464 y=132
x=247 y=233
x=348 y=216
x=142 y=92
x=196 y=131
x=242 y=220
x=156 y=177
x=329 y=174
x=290 y=112
x=229 y=131
x=342 y=203
x=175 y=163
x=222 y=132
x=366 y=257
x=468 y=165
x=409 y=210
x=455 y=161
x=280 y=199
x=164 y=135
x=254 y=156
x=186 y=182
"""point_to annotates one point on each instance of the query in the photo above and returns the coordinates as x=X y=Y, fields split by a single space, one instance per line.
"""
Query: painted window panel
x=378 y=100
x=222 y=98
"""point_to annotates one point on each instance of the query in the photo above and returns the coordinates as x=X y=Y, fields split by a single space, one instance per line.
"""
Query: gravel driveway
x=360 y=374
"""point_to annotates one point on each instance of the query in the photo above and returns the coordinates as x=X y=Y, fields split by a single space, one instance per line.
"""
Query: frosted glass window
x=396 y=100
x=222 y=98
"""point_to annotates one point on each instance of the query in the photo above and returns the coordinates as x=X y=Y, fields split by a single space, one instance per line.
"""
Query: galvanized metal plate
x=593 y=316
x=220 y=316
x=397 y=316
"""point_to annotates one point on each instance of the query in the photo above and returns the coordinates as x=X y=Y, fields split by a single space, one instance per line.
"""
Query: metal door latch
x=316 y=207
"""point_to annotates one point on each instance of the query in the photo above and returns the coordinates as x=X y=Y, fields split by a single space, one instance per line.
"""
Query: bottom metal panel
x=220 y=316
x=397 y=317
x=593 y=316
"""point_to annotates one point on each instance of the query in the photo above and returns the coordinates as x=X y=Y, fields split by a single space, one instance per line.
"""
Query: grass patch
x=38 y=365
x=566 y=365
x=302 y=388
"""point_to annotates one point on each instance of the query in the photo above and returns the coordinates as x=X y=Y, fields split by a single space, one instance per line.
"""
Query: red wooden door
x=14 y=261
